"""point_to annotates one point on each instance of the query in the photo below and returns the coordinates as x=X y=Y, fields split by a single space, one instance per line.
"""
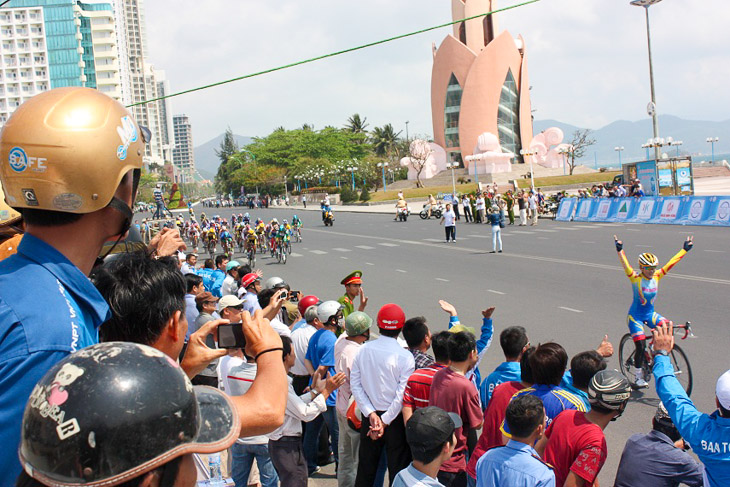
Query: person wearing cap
x=658 y=458
x=378 y=380
x=320 y=361
x=453 y=392
x=574 y=443
x=285 y=443
x=110 y=391
x=430 y=436
x=73 y=180
x=517 y=464
x=353 y=289
x=251 y=282
x=230 y=286
x=707 y=433
x=217 y=276
x=357 y=328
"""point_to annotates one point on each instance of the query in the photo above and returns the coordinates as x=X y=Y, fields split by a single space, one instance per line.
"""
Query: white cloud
x=588 y=60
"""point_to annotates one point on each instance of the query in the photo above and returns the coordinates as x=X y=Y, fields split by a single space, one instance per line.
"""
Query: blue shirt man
x=505 y=372
x=707 y=433
x=48 y=309
x=321 y=351
x=516 y=464
x=412 y=477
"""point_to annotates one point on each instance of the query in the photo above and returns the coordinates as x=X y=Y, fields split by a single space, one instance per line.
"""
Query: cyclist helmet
x=391 y=317
x=609 y=389
x=68 y=149
x=284 y=221
x=250 y=231
x=245 y=216
x=274 y=283
x=306 y=302
x=110 y=425
x=295 y=218
x=274 y=220
x=648 y=260
x=328 y=310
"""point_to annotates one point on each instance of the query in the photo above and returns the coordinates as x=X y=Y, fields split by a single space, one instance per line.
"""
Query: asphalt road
x=562 y=281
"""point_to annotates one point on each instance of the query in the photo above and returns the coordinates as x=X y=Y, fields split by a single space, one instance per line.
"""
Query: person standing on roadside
x=522 y=205
x=466 y=205
x=448 y=219
x=532 y=203
x=480 y=207
x=510 y=201
x=357 y=326
x=496 y=221
x=378 y=380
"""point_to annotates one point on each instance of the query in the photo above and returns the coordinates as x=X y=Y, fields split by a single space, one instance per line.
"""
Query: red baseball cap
x=306 y=302
x=391 y=317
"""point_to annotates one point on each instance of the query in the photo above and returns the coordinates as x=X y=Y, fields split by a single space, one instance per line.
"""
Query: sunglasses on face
x=238 y=308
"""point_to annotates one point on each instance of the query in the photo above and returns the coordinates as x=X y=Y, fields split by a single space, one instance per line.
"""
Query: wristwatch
x=661 y=352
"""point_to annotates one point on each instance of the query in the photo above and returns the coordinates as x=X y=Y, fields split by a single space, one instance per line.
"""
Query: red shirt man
x=493 y=417
x=418 y=388
x=576 y=445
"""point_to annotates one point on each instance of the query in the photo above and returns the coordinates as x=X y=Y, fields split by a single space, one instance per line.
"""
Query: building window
x=451 y=112
x=508 y=118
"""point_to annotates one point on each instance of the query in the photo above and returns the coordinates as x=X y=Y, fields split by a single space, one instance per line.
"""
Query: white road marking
x=611 y=224
x=543 y=238
x=587 y=241
x=294 y=254
x=346 y=258
x=545 y=231
x=401 y=270
x=431 y=240
x=369 y=263
x=364 y=247
x=496 y=292
x=339 y=249
x=318 y=252
x=633 y=230
x=388 y=244
x=522 y=232
x=570 y=309
x=442 y=280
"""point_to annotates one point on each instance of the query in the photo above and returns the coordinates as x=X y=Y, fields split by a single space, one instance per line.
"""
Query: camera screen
x=231 y=336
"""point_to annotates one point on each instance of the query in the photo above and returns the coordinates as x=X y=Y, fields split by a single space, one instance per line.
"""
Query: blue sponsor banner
x=601 y=210
x=583 y=210
x=645 y=210
x=623 y=209
x=565 y=210
x=718 y=211
x=668 y=209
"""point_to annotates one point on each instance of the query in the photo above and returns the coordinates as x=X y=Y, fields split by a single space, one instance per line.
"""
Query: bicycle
x=298 y=234
x=281 y=254
x=227 y=245
x=211 y=247
x=679 y=360
x=251 y=255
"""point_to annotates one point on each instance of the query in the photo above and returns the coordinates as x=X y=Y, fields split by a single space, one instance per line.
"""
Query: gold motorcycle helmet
x=67 y=150
x=8 y=216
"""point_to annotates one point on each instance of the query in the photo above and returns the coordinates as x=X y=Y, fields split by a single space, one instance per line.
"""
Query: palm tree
x=356 y=125
x=384 y=140
x=307 y=127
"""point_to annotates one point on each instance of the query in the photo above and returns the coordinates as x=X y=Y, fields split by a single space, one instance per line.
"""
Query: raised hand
x=448 y=307
x=619 y=244
x=487 y=313
x=605 y=349
x=688 y=243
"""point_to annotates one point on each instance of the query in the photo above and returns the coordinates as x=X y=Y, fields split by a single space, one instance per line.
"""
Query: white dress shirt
x=229 y=286
x=298 y=409
x=280 y=327
x=300 y=341
x=379 y=375
x=345 y=353
x=186 y=269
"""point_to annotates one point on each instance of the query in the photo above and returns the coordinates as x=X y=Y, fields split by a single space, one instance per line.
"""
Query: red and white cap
x=391 y=317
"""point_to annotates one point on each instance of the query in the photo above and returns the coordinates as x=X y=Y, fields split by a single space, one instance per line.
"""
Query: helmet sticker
x=29 y=196
x=49 y=399
x=67 y=201
x=17 y=159
x=128 y=134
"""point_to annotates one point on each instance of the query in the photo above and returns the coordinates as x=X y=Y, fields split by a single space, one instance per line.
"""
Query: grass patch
x=416 y=193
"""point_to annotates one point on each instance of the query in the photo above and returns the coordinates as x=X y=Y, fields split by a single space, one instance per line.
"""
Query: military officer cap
x=355 y=277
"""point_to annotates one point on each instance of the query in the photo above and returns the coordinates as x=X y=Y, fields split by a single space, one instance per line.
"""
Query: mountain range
x=621 y=133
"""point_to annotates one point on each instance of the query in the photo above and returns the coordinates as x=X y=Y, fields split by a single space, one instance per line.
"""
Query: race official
x=353 y=289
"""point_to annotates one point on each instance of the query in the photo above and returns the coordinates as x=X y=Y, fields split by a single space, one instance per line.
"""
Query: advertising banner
x=584 y=210
x=694 y=210
x=565 y=210
x=602 y=210
x=646 y=172
x=718 y=212
x=624 y=209
x=669 y=209
x=644 y=211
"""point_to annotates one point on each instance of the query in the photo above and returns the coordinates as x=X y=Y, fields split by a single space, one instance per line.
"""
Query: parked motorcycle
x=436 y=211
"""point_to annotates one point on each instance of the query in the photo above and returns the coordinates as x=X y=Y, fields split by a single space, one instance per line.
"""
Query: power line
x=336 y=53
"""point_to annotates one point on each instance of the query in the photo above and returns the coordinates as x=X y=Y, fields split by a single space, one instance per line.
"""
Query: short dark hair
x=669 y=430
x=48 y=218
x=440 y=346
x=513 y=340
x=725 y=413
x=389 y=333
x=460 y=345
x=584 y=366
x=243 y=270
x=548 y=363
x=220 y=258
x=525 y=369
x=286 y=344
x=524 y=414
x=187 y=257
x=143 y=294
x=265 y=296
x=192 y=280
x=208 y=264
x=415 y=331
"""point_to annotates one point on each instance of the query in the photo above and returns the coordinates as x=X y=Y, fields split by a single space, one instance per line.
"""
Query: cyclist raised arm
x=645 y=284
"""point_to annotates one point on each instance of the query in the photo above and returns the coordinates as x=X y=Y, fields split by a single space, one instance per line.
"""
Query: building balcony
x=107 y=67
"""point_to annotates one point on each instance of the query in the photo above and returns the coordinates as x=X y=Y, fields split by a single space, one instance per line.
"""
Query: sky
x=588 y=62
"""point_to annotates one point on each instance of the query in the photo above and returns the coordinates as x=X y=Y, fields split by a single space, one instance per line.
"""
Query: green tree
x=228 y=148
x=357 y=125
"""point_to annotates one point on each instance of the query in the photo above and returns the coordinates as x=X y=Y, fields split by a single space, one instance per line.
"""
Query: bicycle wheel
x=283 y=256
x=626 y=351
x=682 y=368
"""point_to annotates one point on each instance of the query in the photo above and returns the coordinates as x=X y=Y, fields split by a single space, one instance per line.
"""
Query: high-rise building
x=47 y=44
x=165 y=115
x=182 y=155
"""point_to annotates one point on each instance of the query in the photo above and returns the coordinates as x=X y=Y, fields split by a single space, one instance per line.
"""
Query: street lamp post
x=383 y=165
x=652 y=106
x=712 y=140
x=452 y=165
x=352 y=171
x=529 y=153
x=675 y=143
x=407 y=122
x=619 y=150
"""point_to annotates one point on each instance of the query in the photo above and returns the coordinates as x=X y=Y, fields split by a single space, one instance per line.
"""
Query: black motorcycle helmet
x=609 y=390
x=111 y=412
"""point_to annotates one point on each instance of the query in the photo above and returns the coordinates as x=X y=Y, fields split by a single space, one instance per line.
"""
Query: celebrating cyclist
x=645 y=284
